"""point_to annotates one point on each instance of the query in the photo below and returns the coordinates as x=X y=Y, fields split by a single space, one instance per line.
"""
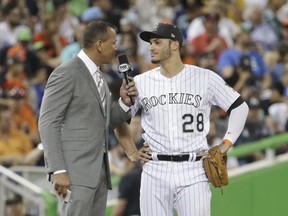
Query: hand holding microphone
x=125 y=68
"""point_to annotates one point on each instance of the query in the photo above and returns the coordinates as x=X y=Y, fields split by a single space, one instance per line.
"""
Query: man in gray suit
x=74 y=123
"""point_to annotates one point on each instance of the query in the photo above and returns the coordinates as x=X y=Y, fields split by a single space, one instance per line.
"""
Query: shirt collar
x=92 y=67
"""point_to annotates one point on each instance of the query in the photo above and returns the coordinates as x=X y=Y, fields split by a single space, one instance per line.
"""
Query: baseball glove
x=215 y=167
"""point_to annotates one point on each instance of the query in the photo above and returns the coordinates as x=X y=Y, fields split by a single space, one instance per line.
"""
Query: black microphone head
x=122 y=59
x=124 y=65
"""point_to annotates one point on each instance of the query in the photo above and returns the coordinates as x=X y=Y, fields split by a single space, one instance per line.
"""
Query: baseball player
x=175 y=100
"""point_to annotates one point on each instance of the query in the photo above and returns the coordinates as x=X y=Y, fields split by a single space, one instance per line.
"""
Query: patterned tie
x=101 y=88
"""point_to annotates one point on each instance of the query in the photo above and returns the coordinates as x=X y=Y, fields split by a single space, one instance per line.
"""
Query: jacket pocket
x=76 y=135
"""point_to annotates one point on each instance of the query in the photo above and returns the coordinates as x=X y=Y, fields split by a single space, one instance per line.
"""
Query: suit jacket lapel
x=85 y=72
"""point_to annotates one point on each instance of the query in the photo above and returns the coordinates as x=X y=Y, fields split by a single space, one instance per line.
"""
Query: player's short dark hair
x=95 y=30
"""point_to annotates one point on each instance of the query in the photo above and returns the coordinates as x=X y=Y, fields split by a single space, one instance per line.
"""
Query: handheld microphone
x=125 y=68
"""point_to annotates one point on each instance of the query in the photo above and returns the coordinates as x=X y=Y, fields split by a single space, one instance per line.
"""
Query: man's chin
x=155 y=61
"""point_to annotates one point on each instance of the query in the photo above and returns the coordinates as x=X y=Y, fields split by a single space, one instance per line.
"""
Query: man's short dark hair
x=95 y=30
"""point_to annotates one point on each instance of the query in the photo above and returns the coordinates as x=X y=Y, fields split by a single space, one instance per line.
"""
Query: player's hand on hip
x=127 y=91
x=61 y=183
x=141 y=155
x=145 y=153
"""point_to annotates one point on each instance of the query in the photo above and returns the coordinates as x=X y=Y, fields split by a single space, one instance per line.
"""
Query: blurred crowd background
x=244 y=41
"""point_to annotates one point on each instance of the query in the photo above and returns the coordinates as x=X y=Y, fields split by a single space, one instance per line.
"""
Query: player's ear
x=175 y=45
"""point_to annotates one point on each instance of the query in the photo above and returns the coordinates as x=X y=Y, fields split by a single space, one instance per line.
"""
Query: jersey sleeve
x=220 y=93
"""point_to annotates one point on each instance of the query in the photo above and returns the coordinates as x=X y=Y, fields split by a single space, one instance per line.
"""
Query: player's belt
x=177 y=158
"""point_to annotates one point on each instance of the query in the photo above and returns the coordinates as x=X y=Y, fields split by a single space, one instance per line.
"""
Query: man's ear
x=98 y=45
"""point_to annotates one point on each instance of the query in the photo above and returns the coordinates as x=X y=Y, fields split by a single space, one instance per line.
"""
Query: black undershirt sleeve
x=236 y=103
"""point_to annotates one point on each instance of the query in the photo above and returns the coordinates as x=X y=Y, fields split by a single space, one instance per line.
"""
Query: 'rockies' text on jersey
x=175 y=111
x=171 y=98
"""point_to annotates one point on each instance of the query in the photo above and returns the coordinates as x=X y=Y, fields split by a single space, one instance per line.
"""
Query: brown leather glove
x=215 y=167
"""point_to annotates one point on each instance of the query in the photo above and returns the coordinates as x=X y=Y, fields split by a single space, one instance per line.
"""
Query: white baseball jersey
x=175 y=119
x=175 y=111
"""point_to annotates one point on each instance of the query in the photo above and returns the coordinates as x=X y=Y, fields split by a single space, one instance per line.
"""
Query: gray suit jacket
x=73 y=125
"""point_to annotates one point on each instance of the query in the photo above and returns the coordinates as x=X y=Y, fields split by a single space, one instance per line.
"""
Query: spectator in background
x=47 y=63
x=11 y=24
x=150 y=11
x=15 y=74
x=207 y=60
x=278 y=101
x=111 y=13
x=73 y=48
x=282 y=13
x=277 y=59
x=187 y=11
x=22 y=64
x=210 y=40
x=166 y=9
x=14 y=143
x=234 y=10
x=128 y=45
x=254 y=129
x=23 y=116
x=242 y=64
x=23 y=51
x=67 y=21
x=226 y=26
x=279 y=115
x=15 y=206
x=52 y=41
x=284 y=31
x=256 y=3
x=129 y=192
x=278 y=62
x=90 y=14
x=270 y=14
x=130 y=23
x=37 y=86
x=29 y=10
x=261 y=32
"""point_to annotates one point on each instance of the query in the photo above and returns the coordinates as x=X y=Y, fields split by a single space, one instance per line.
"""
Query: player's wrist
x=225 y=146
x=227 y=142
